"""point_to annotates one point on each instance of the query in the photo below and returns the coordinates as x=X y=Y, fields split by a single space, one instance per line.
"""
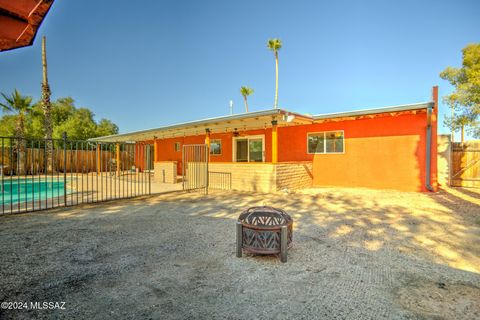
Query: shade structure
x=20 y=20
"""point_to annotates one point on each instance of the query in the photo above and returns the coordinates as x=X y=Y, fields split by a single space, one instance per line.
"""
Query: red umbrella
x=20 y=20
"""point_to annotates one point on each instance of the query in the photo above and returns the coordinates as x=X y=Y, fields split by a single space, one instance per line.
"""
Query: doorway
x=149 y=157
x=249 y=149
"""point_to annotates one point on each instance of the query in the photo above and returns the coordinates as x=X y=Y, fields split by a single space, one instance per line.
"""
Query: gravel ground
x=357 y=254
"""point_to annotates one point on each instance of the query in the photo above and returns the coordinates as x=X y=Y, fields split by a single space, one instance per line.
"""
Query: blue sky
x=163 y=62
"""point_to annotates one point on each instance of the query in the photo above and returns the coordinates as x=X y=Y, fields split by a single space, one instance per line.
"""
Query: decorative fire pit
x=264 y=230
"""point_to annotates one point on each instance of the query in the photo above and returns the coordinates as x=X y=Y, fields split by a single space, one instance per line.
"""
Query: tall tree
x=106 y=127
x=466 y=97
x=275 y=45
x=47 y=107
x=460 y=121
x=449 y=121
x=246 y=91
x=21 y=106
x=79 y=123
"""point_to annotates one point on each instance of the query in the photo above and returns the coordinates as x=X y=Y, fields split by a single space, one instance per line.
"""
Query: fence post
x=150 y=171
x=450 y=161
x=207 y=150
x=64 y=137
x=183 y=167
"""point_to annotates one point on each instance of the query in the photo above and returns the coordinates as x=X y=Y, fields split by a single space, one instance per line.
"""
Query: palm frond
x=246 y=91
x=274 y=44
x=16 y=103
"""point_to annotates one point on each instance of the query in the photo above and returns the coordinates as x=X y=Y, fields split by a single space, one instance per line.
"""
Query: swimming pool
x=20 y=190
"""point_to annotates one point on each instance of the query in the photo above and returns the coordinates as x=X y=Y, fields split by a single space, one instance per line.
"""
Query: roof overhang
x=369 y=113
x=258 y=120
x=224 y=124
x=20 y=20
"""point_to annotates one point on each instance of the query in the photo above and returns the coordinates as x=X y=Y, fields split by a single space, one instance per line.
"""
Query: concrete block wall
x=295 y=175
x=247 y=176
x=263 y=177
x=165 y=171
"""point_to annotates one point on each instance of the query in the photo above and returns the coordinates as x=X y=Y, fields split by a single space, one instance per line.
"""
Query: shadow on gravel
x=357 y=254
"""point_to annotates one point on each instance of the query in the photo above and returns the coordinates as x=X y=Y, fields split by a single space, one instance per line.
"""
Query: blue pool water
x=24 y=190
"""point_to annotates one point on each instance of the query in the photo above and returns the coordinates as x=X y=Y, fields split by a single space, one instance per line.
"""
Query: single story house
x=386 y=148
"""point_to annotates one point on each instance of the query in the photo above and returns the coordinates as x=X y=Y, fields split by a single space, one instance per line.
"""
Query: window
x=216 y=147
x=316 y=143
x=334 y=142
x=177 y=146
x=326 y=142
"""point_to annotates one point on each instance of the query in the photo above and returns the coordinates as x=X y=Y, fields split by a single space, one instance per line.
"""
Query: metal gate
x=39 y=174
x=195 y=167
x=465 y=164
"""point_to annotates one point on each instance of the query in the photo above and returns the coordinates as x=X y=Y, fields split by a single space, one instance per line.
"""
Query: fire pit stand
x=264 y=230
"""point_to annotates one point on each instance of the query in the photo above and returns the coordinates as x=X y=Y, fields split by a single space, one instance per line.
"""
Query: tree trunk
x=19 y=153
x=47 y=109
x=246 y=103
x=463 y=133
x=276 y=80
x=453 y=127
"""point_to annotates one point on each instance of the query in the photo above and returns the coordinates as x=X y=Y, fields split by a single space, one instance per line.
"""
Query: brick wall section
x=247 y=176
x=263 y=177
x=293 y=176
x=260 y=177
x=165 y=171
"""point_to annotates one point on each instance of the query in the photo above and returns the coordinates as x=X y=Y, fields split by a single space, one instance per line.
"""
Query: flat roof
x=248 y=121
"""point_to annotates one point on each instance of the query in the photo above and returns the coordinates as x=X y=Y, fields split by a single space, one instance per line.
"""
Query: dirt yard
x=357 y=254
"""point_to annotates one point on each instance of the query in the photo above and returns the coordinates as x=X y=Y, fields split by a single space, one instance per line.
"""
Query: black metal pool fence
x=39 y=174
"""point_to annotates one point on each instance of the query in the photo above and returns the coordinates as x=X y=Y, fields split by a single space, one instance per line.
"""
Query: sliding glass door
x=249 y=149
x=149 y=157
x=242 y=150
x=255 y=150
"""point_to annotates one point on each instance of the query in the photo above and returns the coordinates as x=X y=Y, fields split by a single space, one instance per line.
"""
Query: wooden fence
x=465 y=164
x=79 y=161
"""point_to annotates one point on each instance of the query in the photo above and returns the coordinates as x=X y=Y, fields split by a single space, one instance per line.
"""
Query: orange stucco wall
x=384 y=152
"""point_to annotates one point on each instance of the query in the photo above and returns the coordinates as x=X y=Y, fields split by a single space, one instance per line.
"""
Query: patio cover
x=241 y=122
x=20 y=20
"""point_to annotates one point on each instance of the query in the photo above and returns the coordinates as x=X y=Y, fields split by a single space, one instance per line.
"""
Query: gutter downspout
x=428 y=162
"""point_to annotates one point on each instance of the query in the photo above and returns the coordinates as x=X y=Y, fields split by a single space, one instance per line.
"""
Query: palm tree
x=246 y=91
x=47 y=108
x=16 y=103
x=20 y=105
x=275 y=45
